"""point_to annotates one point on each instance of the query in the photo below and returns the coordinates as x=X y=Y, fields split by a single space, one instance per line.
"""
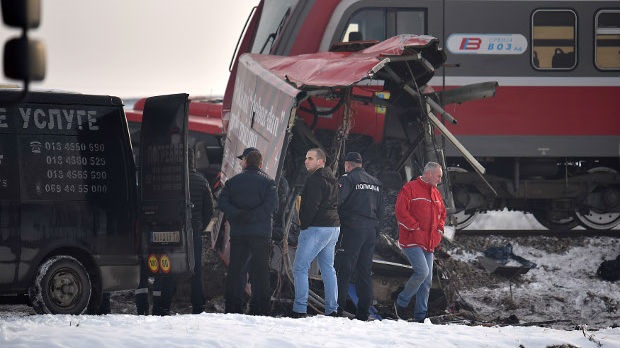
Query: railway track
x=546 y=233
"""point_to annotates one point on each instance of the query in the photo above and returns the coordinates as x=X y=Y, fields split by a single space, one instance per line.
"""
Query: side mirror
x=21 y=13
x=24 y=59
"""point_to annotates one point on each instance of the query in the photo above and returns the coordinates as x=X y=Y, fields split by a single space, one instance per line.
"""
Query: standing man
x=202 y=212
x=318 y=215
x=164 y=288
x=361 y=209
x=248 y=201
x=421 y=216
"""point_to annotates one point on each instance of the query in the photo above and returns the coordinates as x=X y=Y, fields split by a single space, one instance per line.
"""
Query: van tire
x=61 y=286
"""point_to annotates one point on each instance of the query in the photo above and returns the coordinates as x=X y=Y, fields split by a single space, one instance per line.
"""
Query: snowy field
x=569 y=287
x=234 y=330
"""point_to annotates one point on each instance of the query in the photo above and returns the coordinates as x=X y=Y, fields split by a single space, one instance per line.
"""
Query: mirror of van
x=24 y=59
x=21 y=13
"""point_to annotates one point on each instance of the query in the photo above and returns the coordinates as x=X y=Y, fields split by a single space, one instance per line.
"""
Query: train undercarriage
x=561 y=193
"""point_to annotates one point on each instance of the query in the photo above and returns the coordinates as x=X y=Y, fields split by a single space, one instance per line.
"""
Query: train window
x=275 y=13
x=410 y=22
x=554 y=40
x=380 y=23
x=367 y=24
x=607 y=40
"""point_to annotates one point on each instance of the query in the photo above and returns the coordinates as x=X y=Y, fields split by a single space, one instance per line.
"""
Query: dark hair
x=254 y=158
x=320 y=154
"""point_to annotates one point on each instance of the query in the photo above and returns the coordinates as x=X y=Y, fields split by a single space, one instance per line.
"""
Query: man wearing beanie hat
x=361 y=209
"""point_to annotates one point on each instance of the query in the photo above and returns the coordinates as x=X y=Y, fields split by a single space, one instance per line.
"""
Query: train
x=549 y=138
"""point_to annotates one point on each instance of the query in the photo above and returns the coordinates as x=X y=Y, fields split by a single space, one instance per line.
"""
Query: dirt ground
x=555 y=294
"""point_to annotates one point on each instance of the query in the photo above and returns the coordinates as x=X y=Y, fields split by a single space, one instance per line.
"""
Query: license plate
x=166 y=237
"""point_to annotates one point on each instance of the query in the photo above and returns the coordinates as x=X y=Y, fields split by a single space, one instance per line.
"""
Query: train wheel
x=596 y=220
x=552 y=223
x=463 y=219
x=461 y=198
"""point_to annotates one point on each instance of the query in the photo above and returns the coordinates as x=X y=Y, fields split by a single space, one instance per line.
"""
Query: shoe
x=401 y=312
x=296 y=315
x=336 y=314
x=361 y=317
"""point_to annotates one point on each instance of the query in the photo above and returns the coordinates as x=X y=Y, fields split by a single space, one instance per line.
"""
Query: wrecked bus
x=269 y=92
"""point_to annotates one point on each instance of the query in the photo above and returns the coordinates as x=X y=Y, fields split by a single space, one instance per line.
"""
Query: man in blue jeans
x=421 y=216
x=320 y=227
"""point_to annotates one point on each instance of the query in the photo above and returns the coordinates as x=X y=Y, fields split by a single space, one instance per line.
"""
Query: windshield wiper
x=272 y=36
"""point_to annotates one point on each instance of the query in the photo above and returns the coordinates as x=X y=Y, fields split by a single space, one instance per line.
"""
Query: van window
x=9 y=189
x=554 y=39
x=207 y=150
x=607 y=40
x=60 y=161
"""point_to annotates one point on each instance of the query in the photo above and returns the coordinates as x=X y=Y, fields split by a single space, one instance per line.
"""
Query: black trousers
x=354 y=257
x=241 y=250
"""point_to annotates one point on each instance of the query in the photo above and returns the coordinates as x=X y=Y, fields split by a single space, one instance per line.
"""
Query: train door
x=165 y=205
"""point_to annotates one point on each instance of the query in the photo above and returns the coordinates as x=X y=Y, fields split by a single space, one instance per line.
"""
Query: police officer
x=360 y=208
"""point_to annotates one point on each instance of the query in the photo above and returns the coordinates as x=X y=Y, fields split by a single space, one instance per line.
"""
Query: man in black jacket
x=320 y=228
x=202 y=212
x=248 y=201
x=361 y=209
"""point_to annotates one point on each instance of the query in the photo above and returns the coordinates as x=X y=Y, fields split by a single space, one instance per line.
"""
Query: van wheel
x=61 y=286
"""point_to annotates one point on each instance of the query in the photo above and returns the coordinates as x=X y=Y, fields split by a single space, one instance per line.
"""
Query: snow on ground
x=505 y=220
x=563 y=284
x=233 y=330
x=563 y=287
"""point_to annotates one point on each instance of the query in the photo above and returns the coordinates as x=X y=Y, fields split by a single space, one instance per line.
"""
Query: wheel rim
x=594 y=219
x=65 y=288
x=598 y=221
x=463 y=219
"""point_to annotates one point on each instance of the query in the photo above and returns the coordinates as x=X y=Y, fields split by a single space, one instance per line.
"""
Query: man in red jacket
x=421 y=216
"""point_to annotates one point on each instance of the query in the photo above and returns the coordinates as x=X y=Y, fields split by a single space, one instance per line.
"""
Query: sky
x=564 y=276
x=139 y=47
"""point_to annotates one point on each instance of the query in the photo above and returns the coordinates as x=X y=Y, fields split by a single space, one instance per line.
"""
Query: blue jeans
x=320 y=243
x=419 y=284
